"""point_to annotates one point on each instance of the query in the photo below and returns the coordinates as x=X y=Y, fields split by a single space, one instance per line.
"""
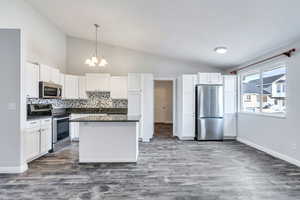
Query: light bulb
x=88 y=61
x=94 y=59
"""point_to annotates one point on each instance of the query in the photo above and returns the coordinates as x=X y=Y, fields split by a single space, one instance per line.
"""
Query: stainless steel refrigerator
x=209 y=112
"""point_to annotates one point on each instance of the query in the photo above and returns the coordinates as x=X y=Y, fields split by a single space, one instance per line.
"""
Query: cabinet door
x=203 y=78
x=188 y=87
x=55 y=75
x=98 y=82
x=62 y=83
x=45 y=73
x=230 y=125
x=134 y=103
x=134 y=81
x=118 y=87
x=230 y=94
x=45 y=139
x=31 y=80
x=216 y=78
x=32 y=143
x=82 y=87
x=71 y=87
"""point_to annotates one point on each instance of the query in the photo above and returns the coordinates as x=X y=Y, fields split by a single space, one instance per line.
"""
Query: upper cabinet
x=45 y=73
x=55 y=75
x=98 y=82
x=31 y=80
x=210 y=78
x=118 y=87
x=71 y=87
x=82 y=87
x=49 y=74
x=134 y=81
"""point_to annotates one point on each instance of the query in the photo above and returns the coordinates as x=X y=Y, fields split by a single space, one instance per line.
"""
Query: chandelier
x=95 y=60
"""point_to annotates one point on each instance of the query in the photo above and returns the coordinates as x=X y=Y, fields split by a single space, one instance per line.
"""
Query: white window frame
x=260 y=70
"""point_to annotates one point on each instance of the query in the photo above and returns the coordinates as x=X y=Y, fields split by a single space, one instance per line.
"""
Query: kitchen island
x=108 y=139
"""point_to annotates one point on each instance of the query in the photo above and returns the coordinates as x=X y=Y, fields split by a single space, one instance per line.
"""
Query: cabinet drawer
x=33 y=124
x=46 y=122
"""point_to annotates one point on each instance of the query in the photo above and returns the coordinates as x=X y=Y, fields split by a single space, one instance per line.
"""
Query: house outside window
x=266 y=88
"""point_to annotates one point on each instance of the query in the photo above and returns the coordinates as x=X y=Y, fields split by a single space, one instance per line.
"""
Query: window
x=264 y=90
x=251 y=92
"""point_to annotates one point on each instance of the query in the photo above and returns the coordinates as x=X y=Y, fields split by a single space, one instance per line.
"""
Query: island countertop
x=109 y=118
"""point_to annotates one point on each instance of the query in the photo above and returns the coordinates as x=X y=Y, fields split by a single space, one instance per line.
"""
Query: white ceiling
x=183 y=29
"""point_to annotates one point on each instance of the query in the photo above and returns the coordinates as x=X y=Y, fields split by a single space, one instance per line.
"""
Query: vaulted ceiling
x=184 y=29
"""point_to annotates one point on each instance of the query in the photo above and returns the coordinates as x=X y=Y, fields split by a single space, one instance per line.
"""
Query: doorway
x=163 y=108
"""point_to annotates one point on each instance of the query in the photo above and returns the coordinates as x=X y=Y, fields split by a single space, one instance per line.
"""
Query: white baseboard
x=14 y=170
x=186 y=138
x=270 y=151
x=146 y=140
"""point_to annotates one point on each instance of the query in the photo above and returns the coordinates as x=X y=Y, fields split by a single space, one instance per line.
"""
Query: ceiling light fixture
x=95 y=60
x=221 y=50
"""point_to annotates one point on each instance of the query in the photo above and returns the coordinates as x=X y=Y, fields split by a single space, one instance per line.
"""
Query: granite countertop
x=121 y=111
x=109 y=118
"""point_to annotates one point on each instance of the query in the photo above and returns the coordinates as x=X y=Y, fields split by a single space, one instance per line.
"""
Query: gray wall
x=122 y=60
x=44 y=43
x=10 y=64
x=281 y=136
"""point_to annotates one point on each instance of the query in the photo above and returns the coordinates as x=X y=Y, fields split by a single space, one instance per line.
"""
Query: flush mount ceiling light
x=96 y=60
x=221 y=50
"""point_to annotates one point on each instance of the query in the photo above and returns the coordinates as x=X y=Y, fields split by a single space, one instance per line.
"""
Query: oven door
x=61 y=129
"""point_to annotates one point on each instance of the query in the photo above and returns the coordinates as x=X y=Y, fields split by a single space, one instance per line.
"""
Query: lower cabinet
x=38 y=138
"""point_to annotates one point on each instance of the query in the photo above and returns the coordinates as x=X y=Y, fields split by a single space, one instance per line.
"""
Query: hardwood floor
x=164 y=130
x=167 y=169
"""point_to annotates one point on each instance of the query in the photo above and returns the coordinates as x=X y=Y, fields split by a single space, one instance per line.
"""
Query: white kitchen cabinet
x=230 y=106
x=82 y=87
x=147 y=107
x=31 y=80
x=98 y=82
x=210 y=78
x=141 y=102
x=55 y=76
x=62 y=83
x=46 y=135
x=32 y=143
x=49 y=74
x=45 y=73
x=71 y=87
x=118 y=87
x=186 y=107
x=134 y=81
x=38 y=138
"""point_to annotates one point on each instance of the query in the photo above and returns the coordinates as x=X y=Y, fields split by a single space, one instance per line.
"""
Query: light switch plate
x=12 y=106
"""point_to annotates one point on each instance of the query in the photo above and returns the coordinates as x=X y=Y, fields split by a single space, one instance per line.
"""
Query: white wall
x=44 y=43
x=281 y=137
x=163 y=103
x=122 y=60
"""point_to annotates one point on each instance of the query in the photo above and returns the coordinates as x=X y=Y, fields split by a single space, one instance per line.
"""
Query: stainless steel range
x=60 y=128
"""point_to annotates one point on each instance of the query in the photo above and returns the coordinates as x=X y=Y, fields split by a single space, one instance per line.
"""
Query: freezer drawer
x=210 y=129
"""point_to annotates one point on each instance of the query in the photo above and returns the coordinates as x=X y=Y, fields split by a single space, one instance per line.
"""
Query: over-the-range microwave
x=49 y=90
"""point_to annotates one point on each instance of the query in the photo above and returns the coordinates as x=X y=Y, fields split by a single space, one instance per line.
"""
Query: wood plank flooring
x=167 y=169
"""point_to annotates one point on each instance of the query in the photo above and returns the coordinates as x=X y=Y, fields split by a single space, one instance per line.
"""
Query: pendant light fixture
x=96 y=60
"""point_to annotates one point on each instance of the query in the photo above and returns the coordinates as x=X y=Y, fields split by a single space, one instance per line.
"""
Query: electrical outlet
x=294 y=146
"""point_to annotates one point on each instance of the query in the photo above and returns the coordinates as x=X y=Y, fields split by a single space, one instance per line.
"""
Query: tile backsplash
x=94 y=100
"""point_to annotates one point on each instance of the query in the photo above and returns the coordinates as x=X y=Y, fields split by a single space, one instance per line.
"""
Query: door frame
x=174 y=99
